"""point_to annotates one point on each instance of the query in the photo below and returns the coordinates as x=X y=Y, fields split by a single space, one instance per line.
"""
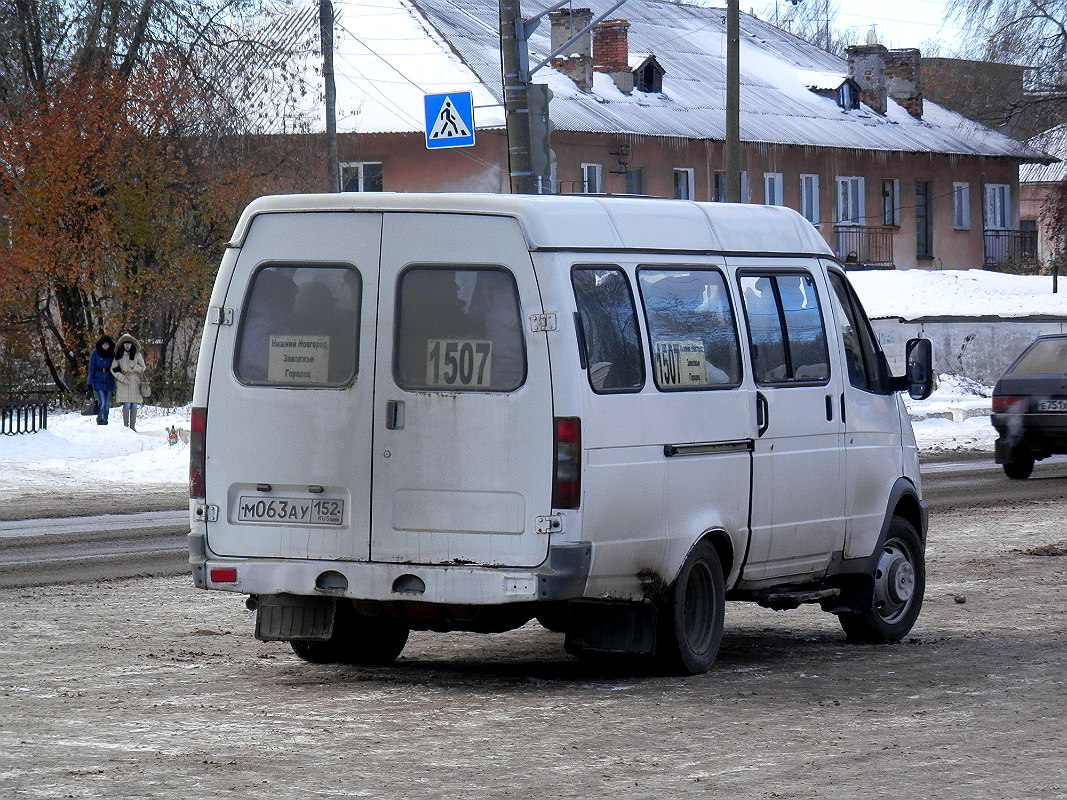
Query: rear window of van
x=300 y=327
x=458 y=330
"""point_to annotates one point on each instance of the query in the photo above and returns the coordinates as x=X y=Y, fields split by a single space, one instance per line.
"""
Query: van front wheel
x=897 y=588
x=691 y=614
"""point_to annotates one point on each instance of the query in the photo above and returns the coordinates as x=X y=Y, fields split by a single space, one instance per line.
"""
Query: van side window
x=609 y=329
x=300 y=327
x=861 y=351
x=788 y=337
x=691 y=327
x=458 y=329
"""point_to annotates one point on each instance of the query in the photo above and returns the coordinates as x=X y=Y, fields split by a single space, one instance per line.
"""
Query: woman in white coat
x=128 y=369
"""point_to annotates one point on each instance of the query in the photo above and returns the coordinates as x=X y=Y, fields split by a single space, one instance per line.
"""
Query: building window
x=361 y=176
x=891 y=203
x=809 y=198
x=847 y=97
x=850 y=205
x=683 y=183
x=961 y=206
x=719 y=193
x=591 y=178
x=997 y=208
x=634 y=182
x=772 y=189
x=923 y=247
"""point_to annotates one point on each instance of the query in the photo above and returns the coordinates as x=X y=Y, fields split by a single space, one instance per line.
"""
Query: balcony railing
x=1010 y=248
x=863 y=245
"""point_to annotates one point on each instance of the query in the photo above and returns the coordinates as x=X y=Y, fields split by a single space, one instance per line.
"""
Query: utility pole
x=516 y=98
x=516 y=71
x=326 y=37
x=733 y=102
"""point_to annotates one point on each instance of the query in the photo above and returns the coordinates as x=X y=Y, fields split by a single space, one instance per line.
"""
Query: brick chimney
x=577 y=64
x=903 y=79
x=866 y=66
x=611 y=52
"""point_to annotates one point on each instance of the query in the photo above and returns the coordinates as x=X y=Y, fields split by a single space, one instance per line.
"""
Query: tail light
x=197 y=455
x=1006 y=403
x=567 y=481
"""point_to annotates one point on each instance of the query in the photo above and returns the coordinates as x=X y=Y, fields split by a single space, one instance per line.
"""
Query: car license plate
x=1052 y=405
x=290 y=510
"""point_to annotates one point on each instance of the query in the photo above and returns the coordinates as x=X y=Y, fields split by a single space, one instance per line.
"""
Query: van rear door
x=463 y=425
x=288 y=425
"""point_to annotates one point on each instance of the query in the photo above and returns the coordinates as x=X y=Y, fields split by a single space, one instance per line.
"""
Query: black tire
x=691 y=615
x=897 y=586
x=1021 y=466
x=356 y=639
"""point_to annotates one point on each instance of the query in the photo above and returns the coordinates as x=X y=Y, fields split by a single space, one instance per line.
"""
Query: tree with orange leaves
x=120 y=175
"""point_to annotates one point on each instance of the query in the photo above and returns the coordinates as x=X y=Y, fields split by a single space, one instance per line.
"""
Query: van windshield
x=459 y=330
x=299 y=327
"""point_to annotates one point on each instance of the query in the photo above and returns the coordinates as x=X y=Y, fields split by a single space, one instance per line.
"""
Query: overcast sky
x=901 y=23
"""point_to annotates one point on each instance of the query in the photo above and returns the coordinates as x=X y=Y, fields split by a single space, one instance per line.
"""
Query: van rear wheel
x=356 y=639
x=691 y=614
x=898 y=584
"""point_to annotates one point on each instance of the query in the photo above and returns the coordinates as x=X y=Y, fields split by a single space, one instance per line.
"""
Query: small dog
x=172 y=435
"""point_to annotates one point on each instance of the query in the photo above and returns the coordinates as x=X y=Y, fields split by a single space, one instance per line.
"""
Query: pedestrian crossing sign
x=449 y=120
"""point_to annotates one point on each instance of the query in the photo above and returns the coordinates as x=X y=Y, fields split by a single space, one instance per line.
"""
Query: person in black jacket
x=100 y=378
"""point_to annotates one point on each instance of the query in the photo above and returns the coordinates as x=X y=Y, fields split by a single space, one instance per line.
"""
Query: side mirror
x=919 y=380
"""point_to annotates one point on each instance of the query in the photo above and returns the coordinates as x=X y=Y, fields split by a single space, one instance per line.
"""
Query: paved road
x=70 y=549
x=51 y=551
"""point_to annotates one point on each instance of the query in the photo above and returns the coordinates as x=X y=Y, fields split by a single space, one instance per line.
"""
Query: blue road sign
x=449 y=120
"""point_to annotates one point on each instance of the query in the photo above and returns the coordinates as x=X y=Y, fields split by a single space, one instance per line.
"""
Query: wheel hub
x=894 y=584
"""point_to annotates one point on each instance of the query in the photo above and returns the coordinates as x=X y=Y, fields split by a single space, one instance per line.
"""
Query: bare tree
x=1030 y=33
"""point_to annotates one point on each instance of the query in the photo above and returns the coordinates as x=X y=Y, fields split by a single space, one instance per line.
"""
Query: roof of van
x=570 y=222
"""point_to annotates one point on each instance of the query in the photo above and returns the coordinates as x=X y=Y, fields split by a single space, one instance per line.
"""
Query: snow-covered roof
x=1054 y=142
x=390 y=53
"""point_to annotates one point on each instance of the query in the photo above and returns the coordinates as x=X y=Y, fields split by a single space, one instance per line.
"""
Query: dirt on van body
x=148 y=688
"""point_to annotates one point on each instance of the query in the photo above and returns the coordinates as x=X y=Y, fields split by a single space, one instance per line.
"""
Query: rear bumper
x=562 y=576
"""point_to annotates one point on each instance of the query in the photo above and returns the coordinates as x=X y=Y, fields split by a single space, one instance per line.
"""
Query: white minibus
x=612 y=415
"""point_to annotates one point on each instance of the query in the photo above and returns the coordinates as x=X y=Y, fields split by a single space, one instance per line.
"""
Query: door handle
x=394 y=415
x=762 y=414
x=829 y=408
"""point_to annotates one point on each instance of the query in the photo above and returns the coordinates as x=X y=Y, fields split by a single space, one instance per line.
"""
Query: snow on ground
x=955 y=419
x=75 y=451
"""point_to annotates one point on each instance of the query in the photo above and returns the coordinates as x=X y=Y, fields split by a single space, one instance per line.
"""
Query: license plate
x=290 y=510
x=1052 y=405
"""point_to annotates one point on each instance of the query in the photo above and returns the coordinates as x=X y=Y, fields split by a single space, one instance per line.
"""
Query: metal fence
x=1010 y=247
x=864 y=245
x=23 y=417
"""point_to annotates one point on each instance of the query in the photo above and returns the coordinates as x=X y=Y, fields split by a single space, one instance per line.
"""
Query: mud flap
x=598 y=627
x=288 y=617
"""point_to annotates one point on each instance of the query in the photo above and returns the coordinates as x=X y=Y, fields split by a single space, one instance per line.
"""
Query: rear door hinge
x=543 y=322
x=206 y=512
x=552 y=523
x=219 y=316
